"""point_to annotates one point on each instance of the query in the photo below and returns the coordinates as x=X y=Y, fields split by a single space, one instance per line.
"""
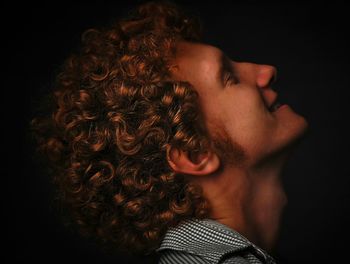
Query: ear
x=200 y=164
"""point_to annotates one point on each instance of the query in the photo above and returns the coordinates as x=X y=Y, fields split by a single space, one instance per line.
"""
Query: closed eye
x=226 y=73
x=230 y=78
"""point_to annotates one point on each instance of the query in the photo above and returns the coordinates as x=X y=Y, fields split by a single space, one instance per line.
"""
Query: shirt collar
x=207 y=238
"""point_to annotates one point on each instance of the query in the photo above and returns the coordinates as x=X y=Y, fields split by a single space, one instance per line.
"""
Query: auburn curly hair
x=115 y=110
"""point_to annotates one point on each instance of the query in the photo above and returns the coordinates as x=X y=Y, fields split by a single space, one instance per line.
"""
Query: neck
x=250 y=199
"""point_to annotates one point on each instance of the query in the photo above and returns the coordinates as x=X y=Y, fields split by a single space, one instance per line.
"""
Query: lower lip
x=281 y=107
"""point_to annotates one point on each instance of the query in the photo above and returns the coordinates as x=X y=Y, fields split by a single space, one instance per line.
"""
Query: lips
x=271 y=100
x=275 y=106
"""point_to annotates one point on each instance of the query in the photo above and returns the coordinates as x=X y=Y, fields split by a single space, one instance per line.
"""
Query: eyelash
x=230 y=78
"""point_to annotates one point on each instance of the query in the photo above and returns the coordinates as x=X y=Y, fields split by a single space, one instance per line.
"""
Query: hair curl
x=115 y=112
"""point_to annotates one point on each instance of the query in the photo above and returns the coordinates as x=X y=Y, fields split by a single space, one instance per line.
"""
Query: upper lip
x=271 y=100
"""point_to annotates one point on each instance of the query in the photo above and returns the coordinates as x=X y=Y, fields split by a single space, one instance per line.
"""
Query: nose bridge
x=266 y=75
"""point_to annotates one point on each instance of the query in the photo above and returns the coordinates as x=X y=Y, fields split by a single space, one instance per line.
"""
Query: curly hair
x=115 y=110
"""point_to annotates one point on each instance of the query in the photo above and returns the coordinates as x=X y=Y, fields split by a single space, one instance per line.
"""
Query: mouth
x=275 y=106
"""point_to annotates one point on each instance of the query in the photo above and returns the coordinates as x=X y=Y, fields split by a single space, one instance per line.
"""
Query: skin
x=245 y=194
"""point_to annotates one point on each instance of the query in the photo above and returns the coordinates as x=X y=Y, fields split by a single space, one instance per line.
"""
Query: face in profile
x=237 y=98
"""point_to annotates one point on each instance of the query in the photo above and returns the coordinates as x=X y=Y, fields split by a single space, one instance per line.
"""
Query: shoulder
x=207 y=241
x=179 y=257
x=236 y=260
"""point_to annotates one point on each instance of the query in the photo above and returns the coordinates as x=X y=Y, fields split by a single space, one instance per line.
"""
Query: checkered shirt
x=207 y=241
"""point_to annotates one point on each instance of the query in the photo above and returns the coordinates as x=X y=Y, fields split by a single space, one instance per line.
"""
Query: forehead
x=193 y=59
x=196 y=50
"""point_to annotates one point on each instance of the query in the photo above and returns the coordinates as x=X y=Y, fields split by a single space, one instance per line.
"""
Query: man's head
x=138 y=94
x=240 y=109
x=251 y=135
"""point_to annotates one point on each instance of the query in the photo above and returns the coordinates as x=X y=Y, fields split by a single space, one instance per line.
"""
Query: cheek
x=246 y=120
x=246 y=96
x=241 y=111
x=245 y=108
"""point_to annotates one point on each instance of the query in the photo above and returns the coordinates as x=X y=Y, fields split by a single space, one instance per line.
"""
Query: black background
x=307 y=42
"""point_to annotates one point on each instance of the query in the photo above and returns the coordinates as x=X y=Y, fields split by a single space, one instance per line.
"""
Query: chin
x=291 y=137
x=299 y=130
x=294 y=128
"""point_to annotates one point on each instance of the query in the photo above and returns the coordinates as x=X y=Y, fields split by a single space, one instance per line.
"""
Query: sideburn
x=229 y=152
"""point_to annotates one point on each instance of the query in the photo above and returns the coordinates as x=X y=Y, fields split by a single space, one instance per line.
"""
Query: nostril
x=274 y=75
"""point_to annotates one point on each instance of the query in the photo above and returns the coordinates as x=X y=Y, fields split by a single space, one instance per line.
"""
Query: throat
x=263 y=211
x=249 y=200
x=254 y=209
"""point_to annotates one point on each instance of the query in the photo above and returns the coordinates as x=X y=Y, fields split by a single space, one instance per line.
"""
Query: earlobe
x=202 y=164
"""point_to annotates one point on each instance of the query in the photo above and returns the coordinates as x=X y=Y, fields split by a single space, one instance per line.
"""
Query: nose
x=266 y=75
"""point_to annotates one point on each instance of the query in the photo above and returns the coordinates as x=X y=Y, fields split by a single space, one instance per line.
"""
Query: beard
x=229 y=151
